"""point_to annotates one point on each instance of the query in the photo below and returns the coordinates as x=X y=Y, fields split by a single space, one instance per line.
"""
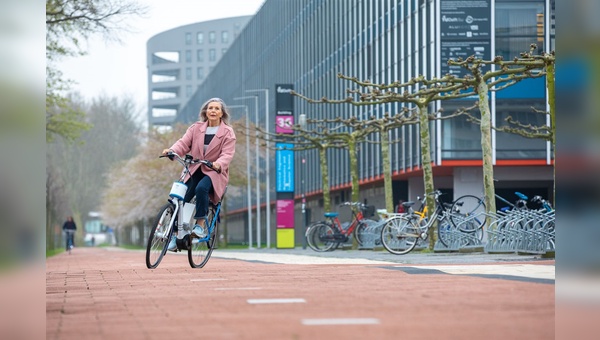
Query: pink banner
x=283 y=124
x=285 y=213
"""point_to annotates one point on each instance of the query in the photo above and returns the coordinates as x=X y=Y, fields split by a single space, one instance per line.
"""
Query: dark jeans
x=70 y=239
x=200 y=185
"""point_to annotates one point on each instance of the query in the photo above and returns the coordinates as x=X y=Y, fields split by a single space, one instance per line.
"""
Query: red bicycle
x=329 y=234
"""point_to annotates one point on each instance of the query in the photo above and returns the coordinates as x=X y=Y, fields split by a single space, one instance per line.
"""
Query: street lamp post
x=302 y=123
x=267 y=160
x=258 y=240
x=249 y=197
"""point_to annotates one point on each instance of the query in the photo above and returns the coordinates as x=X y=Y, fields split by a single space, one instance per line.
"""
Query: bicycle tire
x=446 y=231
x=199 y=252
x=360 y=232
x=158 y=239
x=399 y=235
x=317 y=234
x=468 y=213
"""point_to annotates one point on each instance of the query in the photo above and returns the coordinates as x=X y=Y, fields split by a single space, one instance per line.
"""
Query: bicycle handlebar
x=188 y=160
x=351 y=203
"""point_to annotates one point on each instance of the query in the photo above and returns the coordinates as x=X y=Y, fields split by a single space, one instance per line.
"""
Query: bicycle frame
x=356 y=217
x=422 y=220
x=199 y=249
x=176 y=198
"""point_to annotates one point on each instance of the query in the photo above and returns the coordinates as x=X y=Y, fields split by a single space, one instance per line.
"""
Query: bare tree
x=81 y=168
x=69 y=23
x=507 y=74
x=417 y=93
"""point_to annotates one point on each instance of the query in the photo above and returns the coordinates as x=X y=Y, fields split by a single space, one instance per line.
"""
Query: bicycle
x=175 y=216
x=402 y=232
x=470 y=211
x=70 y=234
x=329 y=234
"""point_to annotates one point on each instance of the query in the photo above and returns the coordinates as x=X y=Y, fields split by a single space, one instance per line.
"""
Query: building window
x=200 y=55
x=188 y=38
x=188 y=90
x=212 y=55
x=518 y=25
x=224 y=37
x=223 y=50
x=199 y=38
x=188 y=56
x=212 y=38
x=200 y=73
x=188 y=73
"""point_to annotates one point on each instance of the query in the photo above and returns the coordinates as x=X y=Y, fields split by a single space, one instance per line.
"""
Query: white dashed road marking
x=340 y=321
x=266 y=301
x=202 y=280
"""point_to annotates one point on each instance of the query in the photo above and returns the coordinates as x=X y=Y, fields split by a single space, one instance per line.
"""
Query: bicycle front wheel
x=199 y=250
x=159 y=237
x=320 y=237
x=468 y=213
x=399 y=235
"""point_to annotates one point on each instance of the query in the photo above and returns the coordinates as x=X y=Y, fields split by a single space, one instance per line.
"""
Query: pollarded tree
x=419 y=93
x=503 y=75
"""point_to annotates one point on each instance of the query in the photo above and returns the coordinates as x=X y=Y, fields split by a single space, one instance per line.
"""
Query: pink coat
x=220 y=150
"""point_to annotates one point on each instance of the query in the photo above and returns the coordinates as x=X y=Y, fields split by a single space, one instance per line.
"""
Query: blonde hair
x=224 y=118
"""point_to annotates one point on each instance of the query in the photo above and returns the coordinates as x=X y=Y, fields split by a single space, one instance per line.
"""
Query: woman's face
x=214 y=113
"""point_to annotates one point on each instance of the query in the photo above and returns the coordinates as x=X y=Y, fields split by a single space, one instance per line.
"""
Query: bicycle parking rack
x=522 y=231
x=371 y=236
x=456 y=239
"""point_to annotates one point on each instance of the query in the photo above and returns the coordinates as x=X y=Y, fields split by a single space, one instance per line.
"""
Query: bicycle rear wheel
x=320 y=237
x=468 y=213
x=199 y=250
x=159 y=237
x=399 y=235
x=359 y=232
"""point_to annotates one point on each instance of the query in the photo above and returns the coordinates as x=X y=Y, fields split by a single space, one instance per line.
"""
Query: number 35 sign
x=284 y=124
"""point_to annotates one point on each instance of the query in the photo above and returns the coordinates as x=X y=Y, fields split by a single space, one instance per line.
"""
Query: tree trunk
x=427 y=169
x=354 y=170
x=551 y=109
x=387 y=171
x=354 y=175
x=486 y=148
x=325 y=176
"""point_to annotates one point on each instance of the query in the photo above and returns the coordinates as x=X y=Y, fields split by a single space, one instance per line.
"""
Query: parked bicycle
x=176 y=216
x=470 y=212
x=329 y=234
x=402 y=232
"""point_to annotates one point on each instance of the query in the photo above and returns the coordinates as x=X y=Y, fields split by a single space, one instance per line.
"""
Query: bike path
x=108 y=293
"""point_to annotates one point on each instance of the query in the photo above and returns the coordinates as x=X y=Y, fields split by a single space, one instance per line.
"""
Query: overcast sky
x=120 y=68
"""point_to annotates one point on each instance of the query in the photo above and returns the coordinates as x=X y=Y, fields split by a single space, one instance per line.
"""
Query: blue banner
x=285 y=167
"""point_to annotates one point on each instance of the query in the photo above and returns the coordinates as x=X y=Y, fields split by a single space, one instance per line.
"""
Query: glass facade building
x=307 y=43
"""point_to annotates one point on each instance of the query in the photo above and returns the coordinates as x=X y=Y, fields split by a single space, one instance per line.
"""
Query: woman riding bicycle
x=212 y=139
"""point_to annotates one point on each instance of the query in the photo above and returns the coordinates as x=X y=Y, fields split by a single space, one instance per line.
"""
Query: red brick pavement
x=97 y=293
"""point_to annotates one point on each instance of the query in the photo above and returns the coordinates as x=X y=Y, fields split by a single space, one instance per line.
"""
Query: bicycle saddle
x=331 y=214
